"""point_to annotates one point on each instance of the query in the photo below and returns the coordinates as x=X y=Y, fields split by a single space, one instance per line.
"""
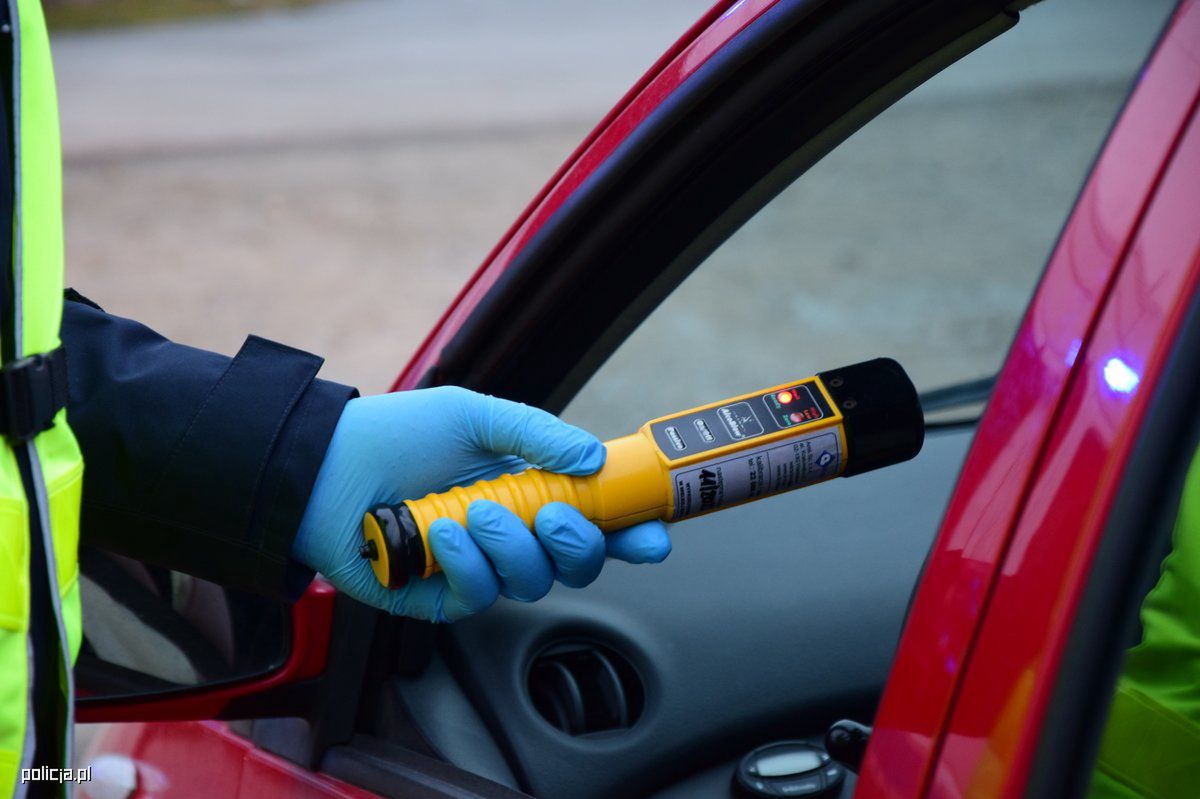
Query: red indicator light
x=784 y=397
x=795 y=417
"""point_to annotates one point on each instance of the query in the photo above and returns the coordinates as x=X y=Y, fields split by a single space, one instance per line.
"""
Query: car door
x=1051 y=453
x=752 y=97
x=521 y=358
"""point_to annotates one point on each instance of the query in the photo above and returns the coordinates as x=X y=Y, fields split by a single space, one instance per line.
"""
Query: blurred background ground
x=84 y=14
x=327 y=176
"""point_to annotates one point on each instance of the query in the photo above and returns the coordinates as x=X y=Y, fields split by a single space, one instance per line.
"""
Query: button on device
x=788 y=768
x=675 y=438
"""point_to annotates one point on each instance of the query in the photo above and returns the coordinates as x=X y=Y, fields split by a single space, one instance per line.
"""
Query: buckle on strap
x=32 y=391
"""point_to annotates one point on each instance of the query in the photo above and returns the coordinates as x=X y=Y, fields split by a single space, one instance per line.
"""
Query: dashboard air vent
x=584 y=688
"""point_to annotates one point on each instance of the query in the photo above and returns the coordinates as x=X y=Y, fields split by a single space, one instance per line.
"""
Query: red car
x=774 y=620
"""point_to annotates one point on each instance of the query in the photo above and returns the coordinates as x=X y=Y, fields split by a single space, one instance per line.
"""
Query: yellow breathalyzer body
x=833 y=424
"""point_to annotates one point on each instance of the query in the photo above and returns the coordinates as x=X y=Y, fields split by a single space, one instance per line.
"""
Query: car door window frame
x=792 y=86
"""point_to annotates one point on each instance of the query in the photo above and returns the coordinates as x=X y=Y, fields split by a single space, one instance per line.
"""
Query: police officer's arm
x=251 y=472
x=193 y=460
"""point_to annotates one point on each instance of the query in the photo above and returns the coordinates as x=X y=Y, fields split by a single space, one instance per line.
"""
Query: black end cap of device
x=402 y=537
x=883 y=417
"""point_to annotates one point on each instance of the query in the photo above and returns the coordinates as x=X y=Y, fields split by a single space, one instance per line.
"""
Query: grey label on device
x=769 y=469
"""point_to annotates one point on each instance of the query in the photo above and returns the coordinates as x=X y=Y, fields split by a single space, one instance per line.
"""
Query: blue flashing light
x=1120 y=376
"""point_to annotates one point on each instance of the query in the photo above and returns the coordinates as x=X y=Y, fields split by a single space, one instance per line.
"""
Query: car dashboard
x=768 y=622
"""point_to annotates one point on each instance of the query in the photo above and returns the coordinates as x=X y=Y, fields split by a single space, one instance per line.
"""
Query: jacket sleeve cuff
x=288 y=481
x=195 y=461
x=248 y=461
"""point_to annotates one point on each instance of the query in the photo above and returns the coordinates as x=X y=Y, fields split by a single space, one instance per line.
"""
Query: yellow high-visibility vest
x=50 y=492
x=1151 y=743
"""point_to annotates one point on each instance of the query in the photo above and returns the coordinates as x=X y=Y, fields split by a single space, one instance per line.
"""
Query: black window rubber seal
x=802 y=77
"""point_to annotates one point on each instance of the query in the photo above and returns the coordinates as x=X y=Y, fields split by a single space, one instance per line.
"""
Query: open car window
x=921 y=237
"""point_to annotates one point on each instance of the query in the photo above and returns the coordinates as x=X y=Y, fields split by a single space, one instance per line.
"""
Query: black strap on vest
x=32 y=392
x=33 y=389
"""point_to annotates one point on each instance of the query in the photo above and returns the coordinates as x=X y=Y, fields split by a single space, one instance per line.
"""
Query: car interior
x=720 y=249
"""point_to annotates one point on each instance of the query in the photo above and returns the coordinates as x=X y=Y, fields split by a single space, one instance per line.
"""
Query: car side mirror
x=162 y=645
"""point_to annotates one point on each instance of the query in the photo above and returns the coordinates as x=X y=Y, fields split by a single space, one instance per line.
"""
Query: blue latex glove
x=393 y=447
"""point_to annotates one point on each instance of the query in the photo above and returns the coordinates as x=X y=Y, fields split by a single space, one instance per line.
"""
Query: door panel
x=1027 y=411
x=1013 y=666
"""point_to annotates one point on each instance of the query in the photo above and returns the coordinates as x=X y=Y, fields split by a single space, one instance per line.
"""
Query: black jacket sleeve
x=192 y=460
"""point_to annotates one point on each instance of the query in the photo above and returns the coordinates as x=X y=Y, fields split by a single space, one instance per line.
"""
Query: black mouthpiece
x=883 y=417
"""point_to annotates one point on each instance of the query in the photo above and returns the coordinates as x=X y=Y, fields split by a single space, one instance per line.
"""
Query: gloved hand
x=392 y=447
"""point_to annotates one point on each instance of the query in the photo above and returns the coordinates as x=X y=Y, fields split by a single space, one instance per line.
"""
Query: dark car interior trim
x=392 y=771
x=322 y=712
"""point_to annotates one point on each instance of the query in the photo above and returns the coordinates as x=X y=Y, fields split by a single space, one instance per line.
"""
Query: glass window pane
x=921 y=237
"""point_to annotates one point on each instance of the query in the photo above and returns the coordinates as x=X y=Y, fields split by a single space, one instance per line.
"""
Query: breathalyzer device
x=834 y=424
